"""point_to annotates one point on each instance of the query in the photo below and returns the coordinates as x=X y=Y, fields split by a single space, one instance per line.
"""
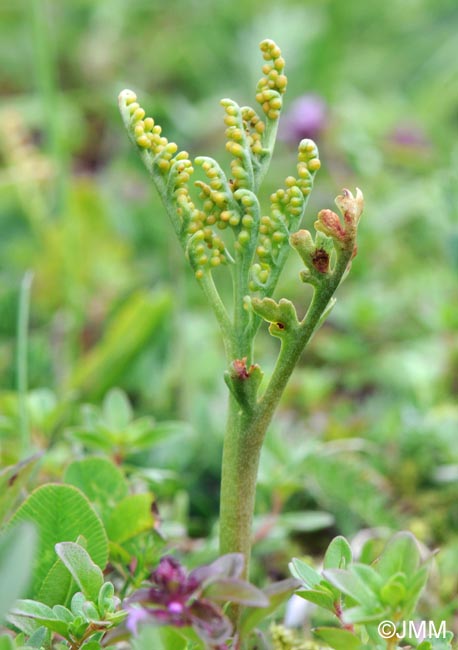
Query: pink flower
x=177 y=598
x=307 y=118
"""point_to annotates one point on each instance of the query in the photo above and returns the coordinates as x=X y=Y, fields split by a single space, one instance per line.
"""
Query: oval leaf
x=321 y=598
x=338 y=554
x=57 y=587
x=61 y=513
x=41 y=614
x=305 y=573
x=338 y=639
x=85 y=573
x=117 y=410
x=350 y=584
x=401 y=554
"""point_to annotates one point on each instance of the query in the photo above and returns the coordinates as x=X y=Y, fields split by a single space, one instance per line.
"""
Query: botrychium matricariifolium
x=261 y=241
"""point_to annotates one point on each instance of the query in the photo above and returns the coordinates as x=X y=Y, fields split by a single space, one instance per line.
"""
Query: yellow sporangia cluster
x=271 y=87
x=308 y=164
x=239 y=143
x=204 y=247
x=230 y=203
x=147 y=134
x=254 y=127
x=216 y=196
x=286 y=207
x=245 y=130
x=248 y=222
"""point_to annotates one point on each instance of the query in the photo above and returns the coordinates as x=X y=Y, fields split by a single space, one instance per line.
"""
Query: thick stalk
x=246 y=431
x=239 y=466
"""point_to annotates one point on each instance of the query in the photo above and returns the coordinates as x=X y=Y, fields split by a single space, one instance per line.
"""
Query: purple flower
x=177 y=598
x=307 y=118
x=134 y=617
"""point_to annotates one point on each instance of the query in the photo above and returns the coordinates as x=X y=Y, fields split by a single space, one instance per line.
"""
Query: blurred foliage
x=367 y=429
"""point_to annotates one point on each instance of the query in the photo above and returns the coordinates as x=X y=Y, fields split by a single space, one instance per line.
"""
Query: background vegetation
x=366 y=436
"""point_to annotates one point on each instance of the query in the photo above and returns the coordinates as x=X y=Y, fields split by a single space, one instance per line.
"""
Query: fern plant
x=254 y=255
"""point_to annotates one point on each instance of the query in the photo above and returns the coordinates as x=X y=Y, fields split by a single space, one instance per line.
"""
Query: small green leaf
x=131 y=517
x=338 y=638
x=77 y=604
x=79 y=626
x=57 y=587
x=282 y=312
x=401 y=554
x=321 y=598
x=369 y=576
x=85 y=573
x=40 y=638
x=91 y=613
x=415 y=586
x=303 y=572
x=105 y=598
x=116 y=617
x=117 y=411
x=63 y=613
x=41 y=614
x=338 y=554
x=27 y=626
x=361 y=615
x=351 y=585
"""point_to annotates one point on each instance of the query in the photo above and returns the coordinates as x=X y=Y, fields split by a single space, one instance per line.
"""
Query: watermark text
x=412 y=630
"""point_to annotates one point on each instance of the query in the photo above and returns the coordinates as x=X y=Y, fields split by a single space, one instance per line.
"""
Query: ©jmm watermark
x=412 y=630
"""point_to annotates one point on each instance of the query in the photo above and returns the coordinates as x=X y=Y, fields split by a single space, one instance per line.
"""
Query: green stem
x=246 y=430
x=214 y=299
x=22 y=366
x=242 y=343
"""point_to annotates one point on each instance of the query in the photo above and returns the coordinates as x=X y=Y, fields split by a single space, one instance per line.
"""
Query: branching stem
x=261 y=247
x=245 y=432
